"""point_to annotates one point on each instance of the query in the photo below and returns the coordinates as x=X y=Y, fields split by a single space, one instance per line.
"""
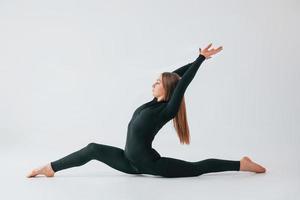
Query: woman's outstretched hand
x=207 y=53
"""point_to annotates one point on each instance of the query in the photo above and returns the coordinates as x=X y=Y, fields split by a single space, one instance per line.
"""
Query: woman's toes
x=29 y=175
x=260 y=169
x=33 y=173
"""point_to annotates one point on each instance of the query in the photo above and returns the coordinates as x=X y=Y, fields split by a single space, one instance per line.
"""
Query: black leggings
x=163 y=166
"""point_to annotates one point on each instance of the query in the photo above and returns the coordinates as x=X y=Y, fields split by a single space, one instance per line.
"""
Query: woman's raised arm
x=174 y=102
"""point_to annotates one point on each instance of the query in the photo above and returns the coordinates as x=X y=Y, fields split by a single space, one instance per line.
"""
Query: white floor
x=98 y=181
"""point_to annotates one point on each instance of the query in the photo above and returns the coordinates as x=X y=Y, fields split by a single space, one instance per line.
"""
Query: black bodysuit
x=139 y=157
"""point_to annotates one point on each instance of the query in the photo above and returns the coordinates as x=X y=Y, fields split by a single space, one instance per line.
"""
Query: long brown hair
x=170 y=80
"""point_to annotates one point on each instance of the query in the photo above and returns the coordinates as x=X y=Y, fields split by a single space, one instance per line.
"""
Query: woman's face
x=157 y=88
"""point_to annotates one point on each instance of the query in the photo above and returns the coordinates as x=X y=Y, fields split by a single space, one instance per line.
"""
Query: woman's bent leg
x=172 y=167
x=112 y=156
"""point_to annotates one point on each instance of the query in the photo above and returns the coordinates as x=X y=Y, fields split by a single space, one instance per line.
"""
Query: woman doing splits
x=138 y=156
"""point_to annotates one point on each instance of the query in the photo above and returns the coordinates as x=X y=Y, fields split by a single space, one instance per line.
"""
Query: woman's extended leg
x=112 y=156
x=172 y=167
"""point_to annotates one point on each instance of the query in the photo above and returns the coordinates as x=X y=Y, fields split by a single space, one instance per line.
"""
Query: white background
x=73 y=72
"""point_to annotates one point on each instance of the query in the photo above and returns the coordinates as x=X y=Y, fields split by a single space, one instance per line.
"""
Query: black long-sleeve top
x=150 y=117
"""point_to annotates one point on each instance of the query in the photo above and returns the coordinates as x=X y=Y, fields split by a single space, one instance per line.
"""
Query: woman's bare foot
x=248 y=165
x=45 y=170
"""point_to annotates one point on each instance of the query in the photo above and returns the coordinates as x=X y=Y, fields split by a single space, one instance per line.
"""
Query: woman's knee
x=92 y=147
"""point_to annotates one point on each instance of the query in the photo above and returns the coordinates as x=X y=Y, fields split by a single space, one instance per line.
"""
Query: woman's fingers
x=219 y=49
x=214 y=51
x=209 y=52
x=206 y=48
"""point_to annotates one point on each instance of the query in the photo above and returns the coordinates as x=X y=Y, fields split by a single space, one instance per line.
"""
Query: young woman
x=139 y=157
